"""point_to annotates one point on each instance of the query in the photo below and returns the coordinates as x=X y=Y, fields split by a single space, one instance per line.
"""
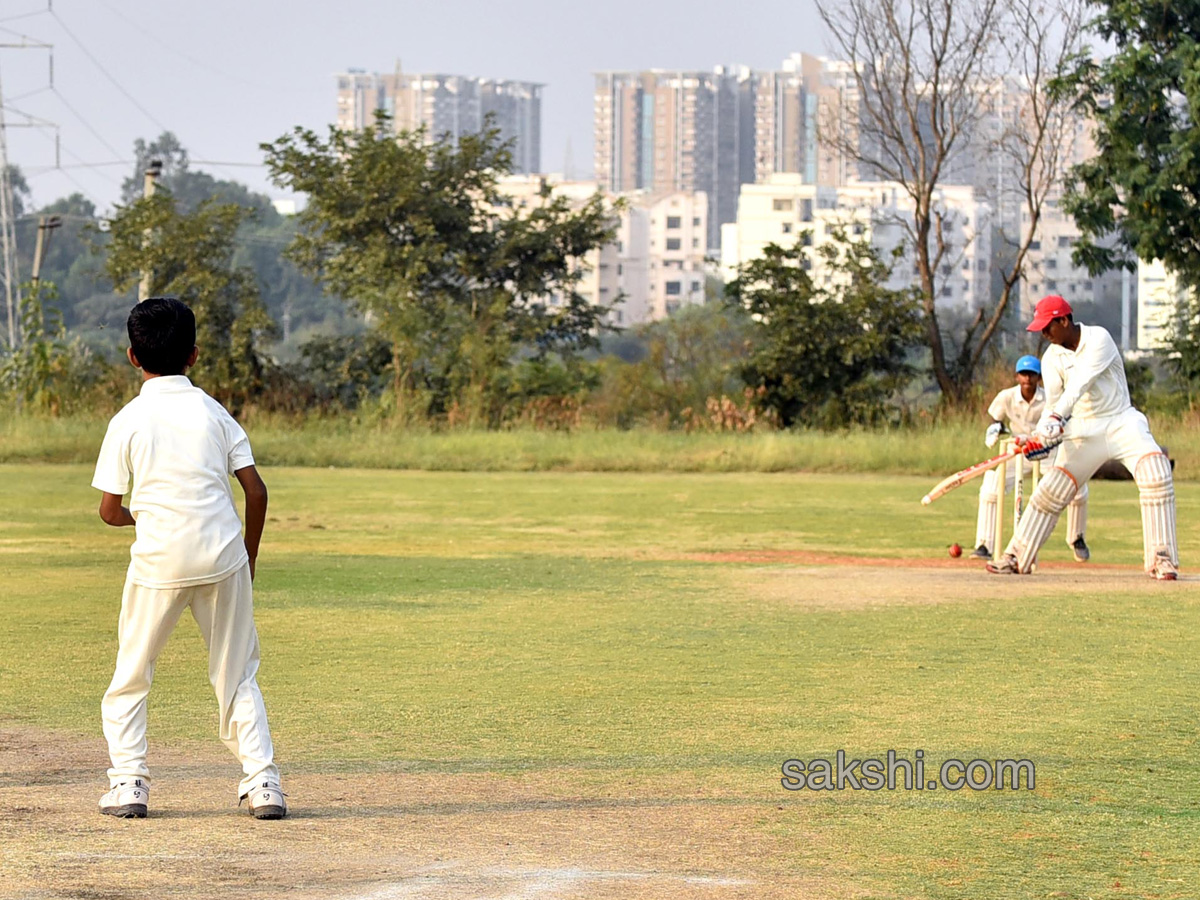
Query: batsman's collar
x=1049 y=308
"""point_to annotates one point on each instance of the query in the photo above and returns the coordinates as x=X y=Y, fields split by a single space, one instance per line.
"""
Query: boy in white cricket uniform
x=1089 y=413
x=1020 y=407
x=178 y=446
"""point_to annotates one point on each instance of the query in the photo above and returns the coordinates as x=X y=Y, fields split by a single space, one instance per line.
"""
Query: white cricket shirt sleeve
x=113 y=467
x=999 y=408
x=1093 y=378
x=239 y=445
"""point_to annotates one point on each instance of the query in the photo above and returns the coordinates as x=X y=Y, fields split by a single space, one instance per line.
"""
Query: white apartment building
x=1050 y=270
x=655 y=265
x=1158 y=294
x=781 y=208
x=776 y=211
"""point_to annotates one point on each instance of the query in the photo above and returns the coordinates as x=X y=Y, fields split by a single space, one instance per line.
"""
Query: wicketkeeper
x=1089 y=413
x=1019 y=408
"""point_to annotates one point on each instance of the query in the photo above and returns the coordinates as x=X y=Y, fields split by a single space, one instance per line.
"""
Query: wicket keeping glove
x=993 y=434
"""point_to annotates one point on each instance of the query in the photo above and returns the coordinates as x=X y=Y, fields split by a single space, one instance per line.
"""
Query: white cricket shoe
x=266 y=801
x=127 y=800
x=1163 y=569
x=1006 y=565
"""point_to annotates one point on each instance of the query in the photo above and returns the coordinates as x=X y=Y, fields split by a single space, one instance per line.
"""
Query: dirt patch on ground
x=820 y=581
x=379 y=834
x=809 y=558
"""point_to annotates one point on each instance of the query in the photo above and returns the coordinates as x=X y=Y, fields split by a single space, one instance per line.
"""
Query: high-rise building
x=715 y=131
x=669 y=131
x=447 y=105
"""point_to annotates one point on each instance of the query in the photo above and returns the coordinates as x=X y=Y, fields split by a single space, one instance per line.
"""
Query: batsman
x=1089 y=414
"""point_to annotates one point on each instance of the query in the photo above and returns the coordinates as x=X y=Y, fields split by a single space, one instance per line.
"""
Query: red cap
x=1050 y=307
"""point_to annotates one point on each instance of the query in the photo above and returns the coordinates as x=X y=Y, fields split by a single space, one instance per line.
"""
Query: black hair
x=162 y=333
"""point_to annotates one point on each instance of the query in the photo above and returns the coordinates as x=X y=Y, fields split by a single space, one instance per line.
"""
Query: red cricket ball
x=955 y=551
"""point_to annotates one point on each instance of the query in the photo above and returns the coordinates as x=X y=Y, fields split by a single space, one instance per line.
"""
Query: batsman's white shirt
x=1087 y=382
x=179 y=446
x=1021 y=415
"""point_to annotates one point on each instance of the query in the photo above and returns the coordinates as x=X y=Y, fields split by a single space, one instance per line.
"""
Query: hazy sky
x=226 y=76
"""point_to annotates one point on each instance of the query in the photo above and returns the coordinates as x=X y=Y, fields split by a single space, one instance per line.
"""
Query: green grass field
x=929 y=450
x=630 y=636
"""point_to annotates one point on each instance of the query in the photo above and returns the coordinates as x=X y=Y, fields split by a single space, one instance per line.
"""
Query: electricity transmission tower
x=8 y=220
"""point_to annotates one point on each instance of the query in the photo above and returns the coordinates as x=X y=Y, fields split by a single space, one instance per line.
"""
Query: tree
x=826 y=355
x=20 y=190
x=665 y=372
x=1139 y=196
x=419 y=237
x=190 y=255
x=48 y=371
x=1182 y=355
x=929 y=82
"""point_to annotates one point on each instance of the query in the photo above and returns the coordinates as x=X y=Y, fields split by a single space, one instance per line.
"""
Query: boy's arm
x=112 y=512
x=256 y=510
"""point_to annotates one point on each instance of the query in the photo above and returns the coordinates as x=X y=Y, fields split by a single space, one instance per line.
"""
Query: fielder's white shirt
x=1089 y=381
x=179 y=446
x=1022 y=416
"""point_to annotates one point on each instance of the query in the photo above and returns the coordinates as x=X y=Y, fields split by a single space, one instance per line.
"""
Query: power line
x=88 y=53
x=175 y=51
x=36 y=12
x=243 y=165
x=83 y=165
x=96 y=134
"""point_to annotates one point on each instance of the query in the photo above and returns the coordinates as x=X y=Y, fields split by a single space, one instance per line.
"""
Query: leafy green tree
x=20 y=190
x=48 y=371
x=1183 y=345
x=826 y=355
x=189 y=186
x=663 y=372
x=190 y=255
x=1137 y=197
x=419 y=238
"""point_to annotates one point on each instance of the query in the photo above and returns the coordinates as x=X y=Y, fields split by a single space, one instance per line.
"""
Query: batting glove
x=1049 y=431
x=1035 y=450
x=993 y=434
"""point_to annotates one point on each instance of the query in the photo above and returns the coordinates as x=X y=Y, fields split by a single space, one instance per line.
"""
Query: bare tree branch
x=927 y=83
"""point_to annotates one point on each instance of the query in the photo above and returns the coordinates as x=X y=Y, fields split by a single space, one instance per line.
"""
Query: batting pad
x=1157 y=494
x=1053 y=494
x=1077 y=516
x=985 y=525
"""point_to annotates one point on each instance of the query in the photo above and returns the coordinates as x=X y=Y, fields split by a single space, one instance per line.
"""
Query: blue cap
x=1029 y=364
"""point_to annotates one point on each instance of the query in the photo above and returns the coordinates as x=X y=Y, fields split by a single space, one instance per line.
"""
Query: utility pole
x=46 y=224
x=149 y=185
x=8 y=231
x=8 y=236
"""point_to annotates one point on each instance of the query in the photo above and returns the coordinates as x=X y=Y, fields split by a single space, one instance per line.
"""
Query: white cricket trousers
x=224 y=611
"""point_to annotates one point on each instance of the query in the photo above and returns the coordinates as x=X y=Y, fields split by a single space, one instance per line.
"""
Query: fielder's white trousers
x=225 y=613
